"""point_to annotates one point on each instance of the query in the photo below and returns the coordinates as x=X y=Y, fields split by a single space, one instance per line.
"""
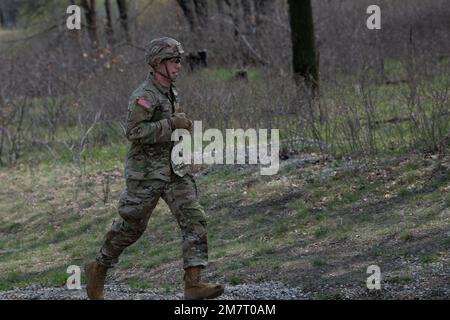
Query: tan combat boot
x=96 y=274
x=196 y=290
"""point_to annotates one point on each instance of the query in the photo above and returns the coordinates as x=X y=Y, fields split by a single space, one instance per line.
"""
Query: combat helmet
x=163 y=48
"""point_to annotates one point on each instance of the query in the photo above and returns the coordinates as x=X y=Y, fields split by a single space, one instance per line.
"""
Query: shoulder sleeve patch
x=144 y=103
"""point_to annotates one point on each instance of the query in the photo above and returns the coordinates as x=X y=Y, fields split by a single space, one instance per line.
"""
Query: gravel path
x=268 y=290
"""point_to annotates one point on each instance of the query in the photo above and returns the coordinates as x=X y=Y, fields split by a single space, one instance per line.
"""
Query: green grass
x=350 y=197
x=280 y=228
x=406 y=236
x=404 y=280
x=264 y=248
x=50 y=278
x=394 y=69
x=425 y=259
x=317 y=262
x=224 y=74
x=140 y=284
x=447 y=203
x=404 y=192
x=108 y=156
x=262 y=233
x=236 y=281
x=321 y=232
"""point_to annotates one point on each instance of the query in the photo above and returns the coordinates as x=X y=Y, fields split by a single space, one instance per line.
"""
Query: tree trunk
x=263 y=9
x=220 y=8
x=2 y=20
x=123 y=13
x=8 y=13
x=233 y=13
x=109 y=28
x=185 y=6
x=305 y=62
x=91 y=19
x=248 y=16
x=201 y=11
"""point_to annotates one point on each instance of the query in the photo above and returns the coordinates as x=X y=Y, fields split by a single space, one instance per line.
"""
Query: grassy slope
x=312 y=224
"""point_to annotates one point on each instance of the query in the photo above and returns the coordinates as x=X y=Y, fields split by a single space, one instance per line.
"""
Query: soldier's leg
x=181 y=197
x=136 y=204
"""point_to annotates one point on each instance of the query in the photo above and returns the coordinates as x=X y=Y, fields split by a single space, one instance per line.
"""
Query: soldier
x=153 y=113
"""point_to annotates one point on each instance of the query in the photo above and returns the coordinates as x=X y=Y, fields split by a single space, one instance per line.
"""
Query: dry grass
x=314 y=220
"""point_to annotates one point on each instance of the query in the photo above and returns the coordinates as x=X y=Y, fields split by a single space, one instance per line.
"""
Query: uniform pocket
x=130 y=207
x=135 y=175
x=166 y=109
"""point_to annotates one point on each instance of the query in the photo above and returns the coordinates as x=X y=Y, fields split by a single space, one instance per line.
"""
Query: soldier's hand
x=180 y=121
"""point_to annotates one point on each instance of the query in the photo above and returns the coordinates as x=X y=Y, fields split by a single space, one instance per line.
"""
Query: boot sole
x=217 y=294
x=211 y=296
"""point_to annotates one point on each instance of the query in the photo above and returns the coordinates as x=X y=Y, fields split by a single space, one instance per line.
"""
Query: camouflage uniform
x=150 y=174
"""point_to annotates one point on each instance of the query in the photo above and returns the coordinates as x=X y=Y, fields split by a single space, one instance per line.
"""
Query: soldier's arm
x=141 y=129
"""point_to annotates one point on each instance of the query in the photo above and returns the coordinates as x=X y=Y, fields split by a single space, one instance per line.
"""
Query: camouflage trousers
x=136 y=204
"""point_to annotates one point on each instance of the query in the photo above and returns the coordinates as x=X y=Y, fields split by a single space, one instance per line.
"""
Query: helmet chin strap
x=167 y=75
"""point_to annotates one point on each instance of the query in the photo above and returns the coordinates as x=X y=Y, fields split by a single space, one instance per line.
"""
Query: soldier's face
x=173 y=68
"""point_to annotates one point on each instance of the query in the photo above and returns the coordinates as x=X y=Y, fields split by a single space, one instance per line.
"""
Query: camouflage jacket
x=149 y=131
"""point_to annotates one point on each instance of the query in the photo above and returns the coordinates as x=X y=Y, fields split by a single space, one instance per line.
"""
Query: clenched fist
x=180 y=121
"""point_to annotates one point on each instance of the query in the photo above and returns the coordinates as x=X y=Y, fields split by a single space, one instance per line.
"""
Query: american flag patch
x=144 y=103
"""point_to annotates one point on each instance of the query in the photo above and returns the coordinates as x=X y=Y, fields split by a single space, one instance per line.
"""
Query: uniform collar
x=165 y=91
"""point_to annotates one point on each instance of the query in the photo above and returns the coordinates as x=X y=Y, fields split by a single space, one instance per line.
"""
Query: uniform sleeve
x=141 y=128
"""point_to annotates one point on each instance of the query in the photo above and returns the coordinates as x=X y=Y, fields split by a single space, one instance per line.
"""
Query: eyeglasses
x=175 y=60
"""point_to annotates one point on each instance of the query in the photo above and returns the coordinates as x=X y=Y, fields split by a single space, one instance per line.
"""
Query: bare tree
x=196 y=13
x=186 y=7
x=2 y=18
x=201 y=11
x=123 y=14
x=263 y=9
x=233 y=11
x=248 y=16
x=108 y=27
x=220 y=7
x=305 y=62
x=11 y=127
x=91 y=19
x=8 y=13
